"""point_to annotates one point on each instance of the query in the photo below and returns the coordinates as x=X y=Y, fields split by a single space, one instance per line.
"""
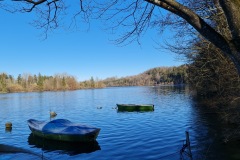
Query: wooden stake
x=188 y=145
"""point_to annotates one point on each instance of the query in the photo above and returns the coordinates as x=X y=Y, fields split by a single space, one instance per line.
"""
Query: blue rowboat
x=63 y=130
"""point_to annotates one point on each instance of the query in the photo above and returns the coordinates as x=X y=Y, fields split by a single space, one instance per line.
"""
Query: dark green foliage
x=63 y=82
x=19 y=79
x=40 y=80
x=92 y=82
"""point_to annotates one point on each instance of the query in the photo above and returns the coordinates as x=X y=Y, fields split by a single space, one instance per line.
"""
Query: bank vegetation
x=39 y=83
x=62 y=82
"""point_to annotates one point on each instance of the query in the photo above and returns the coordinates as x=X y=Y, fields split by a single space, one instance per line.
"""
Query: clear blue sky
x=78 y=53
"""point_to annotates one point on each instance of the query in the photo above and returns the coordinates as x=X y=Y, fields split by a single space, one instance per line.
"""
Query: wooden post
x=188 y=144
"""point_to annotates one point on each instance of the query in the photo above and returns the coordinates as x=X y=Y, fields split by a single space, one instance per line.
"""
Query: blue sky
x=83 y=54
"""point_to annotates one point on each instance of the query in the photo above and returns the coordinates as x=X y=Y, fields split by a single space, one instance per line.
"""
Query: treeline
x=155 y=76
x=58 y=82
x=35 y=83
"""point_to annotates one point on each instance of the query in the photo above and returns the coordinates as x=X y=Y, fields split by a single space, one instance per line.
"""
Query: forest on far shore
x=152 y=77
x=38 y=83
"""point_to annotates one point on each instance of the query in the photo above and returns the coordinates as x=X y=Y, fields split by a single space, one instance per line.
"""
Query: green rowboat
x=135 y=107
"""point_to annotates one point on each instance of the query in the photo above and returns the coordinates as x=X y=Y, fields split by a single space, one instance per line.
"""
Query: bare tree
x=137 y=16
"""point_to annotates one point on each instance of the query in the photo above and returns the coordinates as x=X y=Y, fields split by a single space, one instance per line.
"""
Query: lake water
x=124 y=135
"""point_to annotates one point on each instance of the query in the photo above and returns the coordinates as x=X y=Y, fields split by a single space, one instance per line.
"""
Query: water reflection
x=8 y=130
x=137 y=111
x=209 y=134
x=63 y=147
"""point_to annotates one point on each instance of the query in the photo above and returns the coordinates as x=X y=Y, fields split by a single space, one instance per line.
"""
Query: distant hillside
x=155 y=76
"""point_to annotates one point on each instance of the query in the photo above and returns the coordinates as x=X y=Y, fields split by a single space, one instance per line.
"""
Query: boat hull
x=135 y=107
x=68 y=138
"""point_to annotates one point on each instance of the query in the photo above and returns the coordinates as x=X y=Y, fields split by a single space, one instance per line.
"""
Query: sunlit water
x=124 y=135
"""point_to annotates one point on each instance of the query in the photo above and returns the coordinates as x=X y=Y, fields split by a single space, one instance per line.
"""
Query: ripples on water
x=124 y=135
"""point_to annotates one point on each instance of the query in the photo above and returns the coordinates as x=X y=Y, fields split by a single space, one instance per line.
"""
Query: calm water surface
x=124 y=135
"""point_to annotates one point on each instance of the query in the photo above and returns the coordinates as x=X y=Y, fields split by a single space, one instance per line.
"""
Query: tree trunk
x=231 y=8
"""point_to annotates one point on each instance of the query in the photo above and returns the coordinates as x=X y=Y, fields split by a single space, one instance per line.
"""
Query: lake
x=124 y=135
